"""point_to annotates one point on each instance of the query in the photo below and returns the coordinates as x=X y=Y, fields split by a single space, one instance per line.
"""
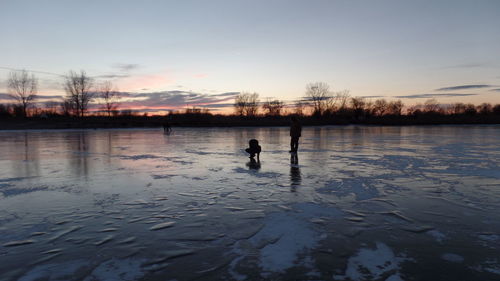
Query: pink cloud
x=150 y=81
x=200 y=75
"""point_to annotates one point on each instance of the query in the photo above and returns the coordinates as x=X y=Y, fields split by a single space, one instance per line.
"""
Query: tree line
x=80 y=90
x=320 y=102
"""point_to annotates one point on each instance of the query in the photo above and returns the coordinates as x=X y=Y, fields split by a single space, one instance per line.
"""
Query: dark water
x=358 y=203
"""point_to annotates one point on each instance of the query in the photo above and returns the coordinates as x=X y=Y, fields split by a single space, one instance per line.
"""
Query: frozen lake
x=362 y=203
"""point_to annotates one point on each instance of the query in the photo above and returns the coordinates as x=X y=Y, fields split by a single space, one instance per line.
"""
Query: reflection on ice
x=355 y=203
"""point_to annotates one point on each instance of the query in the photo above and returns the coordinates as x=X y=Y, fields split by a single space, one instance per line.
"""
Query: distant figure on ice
x=254 y=148
x=166 y=128
x=295 y=133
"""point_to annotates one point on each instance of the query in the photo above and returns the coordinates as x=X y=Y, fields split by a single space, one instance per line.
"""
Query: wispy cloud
x=112 y=76
x=40 y=97
x=126 y=66
x=372 y=97
x=218 y=105
x=175 y=99
x=463 y=87
x=495 y=90
x=468 y=65
x=31 y=70
x=428 y=96
x=4 y=96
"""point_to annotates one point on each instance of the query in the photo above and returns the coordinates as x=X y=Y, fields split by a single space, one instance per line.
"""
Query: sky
x=173 y=54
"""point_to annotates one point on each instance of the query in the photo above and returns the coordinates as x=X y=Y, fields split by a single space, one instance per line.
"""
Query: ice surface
x=358 y=203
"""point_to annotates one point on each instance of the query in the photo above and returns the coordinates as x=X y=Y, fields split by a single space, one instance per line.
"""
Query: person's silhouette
x=295 y=133
x=254 y=149
x=167 y=128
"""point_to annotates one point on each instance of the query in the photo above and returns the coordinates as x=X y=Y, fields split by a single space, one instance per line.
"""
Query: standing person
x=295 y=133
x=166 y=127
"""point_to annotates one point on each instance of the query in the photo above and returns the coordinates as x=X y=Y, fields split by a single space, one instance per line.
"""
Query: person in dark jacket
x=254 y=148
x=295 y=133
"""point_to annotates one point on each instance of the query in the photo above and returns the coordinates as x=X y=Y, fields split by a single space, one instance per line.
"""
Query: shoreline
x=229 y=122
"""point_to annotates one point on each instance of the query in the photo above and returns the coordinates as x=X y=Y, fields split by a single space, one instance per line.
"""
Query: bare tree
x=395 y=107
x=330 y=104
x=318 y=93
x=23 y=88
x=458 y=108
x=240 y=103
x=109 y=97
x=78 y=90
x=246 y=104
x=431 y=105
x=485 y=108
x=343 y=98
x=300 y=107
x=470 y=109
x=67 y=107
x=273 y=107
x=358 y=105
x=380 y=107
x=253 y=104
x=496 y=109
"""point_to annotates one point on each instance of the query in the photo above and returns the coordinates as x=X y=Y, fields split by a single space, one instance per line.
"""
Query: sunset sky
x=172 y=54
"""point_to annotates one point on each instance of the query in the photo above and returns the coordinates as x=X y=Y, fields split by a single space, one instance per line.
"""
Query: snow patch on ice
x=372 y=264
x=54 y=271
x=119 y=270
x=491 y=266
x=285 y=237
x=394 y=277
x=488 y=237
x=452 y=257
x=438 y=236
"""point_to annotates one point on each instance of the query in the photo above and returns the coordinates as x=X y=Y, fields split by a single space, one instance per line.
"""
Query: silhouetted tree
x=5 y=111
x=380 y=107
x=273 y=107
x=66 y=107
x=496 y=109
x=358 y=106
x=240 y=104
x=252 y=105
x=484 y=108
x=343 y=98
x=109 y=97
x=395 y=107
x=299 y=107
x=246 y=104
x=78 y=91
x=127 y=112
x=470 y=109
x=197 y=111
x=23 y=87
x=458 y=108
x=431 y=106
x=318 y=93
x=50 y=108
